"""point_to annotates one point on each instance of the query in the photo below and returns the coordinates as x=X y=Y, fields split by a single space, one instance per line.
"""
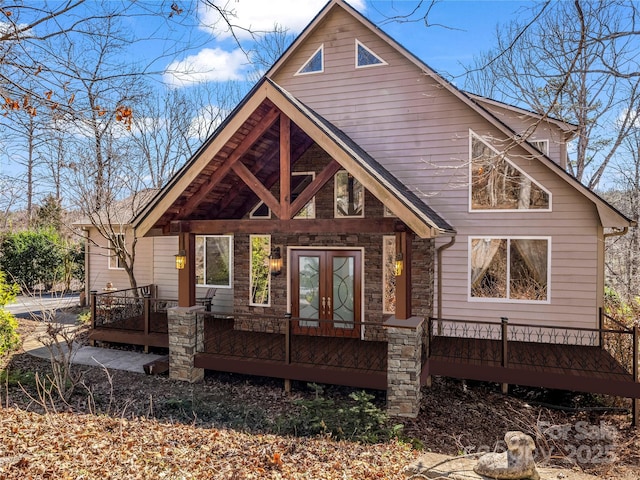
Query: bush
x=9 y=338
x=33 y=256
x=358 y=420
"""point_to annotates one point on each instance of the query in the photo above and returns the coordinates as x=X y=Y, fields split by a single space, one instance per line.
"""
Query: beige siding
x=542 y=130
x=420 y=132
x=100 y=273
x=165 y=275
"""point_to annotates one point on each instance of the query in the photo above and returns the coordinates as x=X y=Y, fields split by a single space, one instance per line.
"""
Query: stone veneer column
x=404 y=366
x=186 y=338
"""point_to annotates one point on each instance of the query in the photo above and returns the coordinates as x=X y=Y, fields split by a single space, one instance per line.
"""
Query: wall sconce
x=399 y=264
x=275 y=261
x=181 y=260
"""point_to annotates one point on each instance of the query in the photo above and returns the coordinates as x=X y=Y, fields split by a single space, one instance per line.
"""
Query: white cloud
x=205 y=122
x=261 y=15
x=208 y=65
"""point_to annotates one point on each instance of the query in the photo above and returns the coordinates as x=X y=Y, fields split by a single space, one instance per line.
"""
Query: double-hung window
x=116 y=244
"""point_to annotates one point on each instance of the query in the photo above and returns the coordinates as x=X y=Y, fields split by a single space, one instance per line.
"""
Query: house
x=365 y=222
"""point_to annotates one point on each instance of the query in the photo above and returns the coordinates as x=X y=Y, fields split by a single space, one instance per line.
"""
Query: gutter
x=618 y=232
x=440 y=250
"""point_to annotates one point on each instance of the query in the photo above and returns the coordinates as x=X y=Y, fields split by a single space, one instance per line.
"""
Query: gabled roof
x=403 y=202
x=609 y=215
x=119 y=212
x=570 y=130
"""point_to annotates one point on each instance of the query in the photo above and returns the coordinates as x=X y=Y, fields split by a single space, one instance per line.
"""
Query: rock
x=514 y=464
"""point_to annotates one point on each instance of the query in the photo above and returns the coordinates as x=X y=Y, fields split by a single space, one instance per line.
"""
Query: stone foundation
x=184 y=343
x=404 y=366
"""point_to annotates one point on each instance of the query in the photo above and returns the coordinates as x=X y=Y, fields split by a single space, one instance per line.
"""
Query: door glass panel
x=309 y=293
x=343 y=292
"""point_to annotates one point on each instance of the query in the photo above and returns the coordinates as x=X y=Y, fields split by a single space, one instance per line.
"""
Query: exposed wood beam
x=222 y=171
x=285 y=167
x=403 y=281
x=187 y=276
x=256 y=185
x=314 y=187
x=294 y=226
x=234 y=192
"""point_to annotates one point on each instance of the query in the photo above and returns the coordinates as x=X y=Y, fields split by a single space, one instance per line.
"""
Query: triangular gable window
x=366 y=57
x=498 y=184
x=315 y=64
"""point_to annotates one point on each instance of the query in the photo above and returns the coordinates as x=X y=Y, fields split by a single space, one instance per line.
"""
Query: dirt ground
x=584 y=433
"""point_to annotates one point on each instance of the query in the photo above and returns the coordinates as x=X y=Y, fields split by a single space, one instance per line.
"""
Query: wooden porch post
x=147 y=317
x=403 y=281
x=187 y=276
x=93 y=313
x=505 y=349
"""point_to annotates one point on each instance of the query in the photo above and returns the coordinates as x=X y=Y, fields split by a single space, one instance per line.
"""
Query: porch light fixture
x=181 y=260
x=275 y=261
x=399 y=264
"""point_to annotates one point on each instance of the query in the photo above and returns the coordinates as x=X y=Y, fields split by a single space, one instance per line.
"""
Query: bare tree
x=564 y=61
x=623 y=252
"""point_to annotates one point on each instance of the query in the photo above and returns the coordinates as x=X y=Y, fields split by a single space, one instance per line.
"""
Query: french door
x=326 y=291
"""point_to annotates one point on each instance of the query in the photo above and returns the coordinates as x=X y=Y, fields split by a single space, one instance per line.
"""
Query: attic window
x=541 y=146
x=497 y=184
x=366 y=58
x=315 y=64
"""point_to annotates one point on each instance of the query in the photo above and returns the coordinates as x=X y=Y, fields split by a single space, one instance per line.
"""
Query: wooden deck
x=340 y=361
x=234 y=345
x=568 y=367
x=132 y=331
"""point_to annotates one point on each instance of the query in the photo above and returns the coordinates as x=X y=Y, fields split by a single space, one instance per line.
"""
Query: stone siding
x=185 y=339
x=404 y=366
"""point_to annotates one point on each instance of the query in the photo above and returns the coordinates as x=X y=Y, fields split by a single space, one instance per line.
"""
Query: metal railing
x=612 y=348
x=133 y=309
x=290 y=340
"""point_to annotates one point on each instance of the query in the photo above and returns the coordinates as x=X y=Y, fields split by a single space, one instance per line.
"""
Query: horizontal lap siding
x=164 y=266
x=99 y=272
x=420 y=132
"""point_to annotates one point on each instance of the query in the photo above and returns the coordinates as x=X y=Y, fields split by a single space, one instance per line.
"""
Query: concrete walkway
x=85 y=355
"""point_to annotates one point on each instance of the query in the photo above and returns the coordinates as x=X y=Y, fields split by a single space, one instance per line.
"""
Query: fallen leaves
x=69 y=445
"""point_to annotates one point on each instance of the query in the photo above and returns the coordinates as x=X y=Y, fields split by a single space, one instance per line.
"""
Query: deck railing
x=133 y=309
x=524 y=345
x=275 y=338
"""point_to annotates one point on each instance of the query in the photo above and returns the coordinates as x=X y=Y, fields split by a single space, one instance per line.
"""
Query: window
x=315 y=64
x=214 y=256
x=349 y=196
x=260 y=279
x=260 y=211
x=366 y=58
x=509 y=268
x=497 y=184
x=300 y=181
x=388 y=274
x=541 y=145
x=387 y=212
x=116 y=244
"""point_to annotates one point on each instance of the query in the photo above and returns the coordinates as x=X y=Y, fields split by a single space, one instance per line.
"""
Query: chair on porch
x=207 y=299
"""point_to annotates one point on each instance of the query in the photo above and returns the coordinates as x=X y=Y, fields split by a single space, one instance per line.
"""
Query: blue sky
x=459 y=30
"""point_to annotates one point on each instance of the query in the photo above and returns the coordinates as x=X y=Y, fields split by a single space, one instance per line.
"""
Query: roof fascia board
x=569 y=130
x=149 y=216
